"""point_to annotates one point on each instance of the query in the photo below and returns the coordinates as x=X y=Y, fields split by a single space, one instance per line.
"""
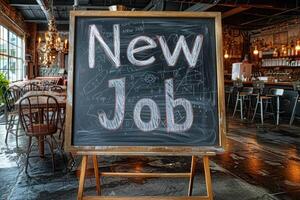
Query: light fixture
x=226 y=54
x=297 y=48
x=255 y=52
x=53 y=44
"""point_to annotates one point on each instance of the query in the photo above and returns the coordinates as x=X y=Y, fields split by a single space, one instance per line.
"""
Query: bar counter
x=286 y=101
x=284 y=85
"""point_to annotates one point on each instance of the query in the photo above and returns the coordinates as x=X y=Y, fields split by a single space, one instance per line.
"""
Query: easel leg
x=97 y=176
x=82 y=177
x=192 y=174
x=207 y=177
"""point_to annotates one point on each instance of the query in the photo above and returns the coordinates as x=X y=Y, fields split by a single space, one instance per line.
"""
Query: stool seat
x=265 y=97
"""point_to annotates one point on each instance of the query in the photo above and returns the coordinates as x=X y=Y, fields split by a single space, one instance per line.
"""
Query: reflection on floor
x=260 y=163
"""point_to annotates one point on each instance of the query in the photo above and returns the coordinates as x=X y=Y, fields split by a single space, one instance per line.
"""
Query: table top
x=60 y=97
x=36 y=81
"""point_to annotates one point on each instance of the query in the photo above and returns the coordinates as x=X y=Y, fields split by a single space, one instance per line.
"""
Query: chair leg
x=241 y=108
x=52 y=152
x=261 y=112
x=277 y=110
x=27 y=154
x=17 y=130
x=228 y=100
x=236 y=104
x=8 y=127
x=255 y=110
x=294 y=110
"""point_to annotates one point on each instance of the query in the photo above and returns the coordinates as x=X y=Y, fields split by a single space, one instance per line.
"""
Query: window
x=11 y=55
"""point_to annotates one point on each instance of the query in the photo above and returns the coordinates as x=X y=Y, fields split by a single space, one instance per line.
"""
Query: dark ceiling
x=245 y=14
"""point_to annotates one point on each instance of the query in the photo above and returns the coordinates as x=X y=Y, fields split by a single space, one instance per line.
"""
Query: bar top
x=267 y=83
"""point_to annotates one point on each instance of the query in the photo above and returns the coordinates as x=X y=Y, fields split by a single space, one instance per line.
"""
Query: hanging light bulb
x=255 y=52
x=297 y=48
x=226 y=54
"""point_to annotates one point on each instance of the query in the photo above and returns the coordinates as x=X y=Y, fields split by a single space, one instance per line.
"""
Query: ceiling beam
x=267 y=17
x=234 y=11
x=44 y=21
x=46 y=8
x=261 y=6
x=201 y=6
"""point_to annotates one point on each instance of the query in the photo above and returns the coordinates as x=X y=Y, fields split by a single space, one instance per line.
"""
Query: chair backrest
x=39 y=113
x=30 y=87
x=296 y=86
x=56 y=88
x=46 y=85
x=247 y=90
x=258 y=86
x=276 y=91
x=11 y=95
x=237 y=83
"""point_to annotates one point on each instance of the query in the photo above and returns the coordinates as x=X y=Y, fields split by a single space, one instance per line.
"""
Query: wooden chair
x=11 y=95
x=30 y=87
x=39 y=115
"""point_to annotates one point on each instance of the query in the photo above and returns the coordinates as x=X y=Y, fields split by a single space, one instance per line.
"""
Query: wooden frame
x=147 y=150
x=190 y=175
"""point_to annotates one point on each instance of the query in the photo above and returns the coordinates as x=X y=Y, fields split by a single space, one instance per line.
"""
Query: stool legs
x=261 y=112
x=277 y=110
x=294 y=110
x=259 y=101
x=239 y=100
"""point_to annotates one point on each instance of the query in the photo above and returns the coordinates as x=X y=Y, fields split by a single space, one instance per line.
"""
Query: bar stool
x=296 y=86
x=260 y=100
x=228 y=91
x=276 y=93
x=242 y=96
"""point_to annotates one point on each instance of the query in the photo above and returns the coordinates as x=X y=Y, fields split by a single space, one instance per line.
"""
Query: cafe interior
x=261 y=61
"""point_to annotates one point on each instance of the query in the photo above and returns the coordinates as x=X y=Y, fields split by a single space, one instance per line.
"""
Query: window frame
x=18 y=46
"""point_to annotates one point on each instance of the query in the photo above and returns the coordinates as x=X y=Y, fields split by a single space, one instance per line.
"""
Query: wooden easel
x=189 y=175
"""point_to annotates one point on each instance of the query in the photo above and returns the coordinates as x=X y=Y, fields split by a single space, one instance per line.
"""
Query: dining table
x=61 y=100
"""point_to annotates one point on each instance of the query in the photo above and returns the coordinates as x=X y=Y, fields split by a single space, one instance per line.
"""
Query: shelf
x=281 y=66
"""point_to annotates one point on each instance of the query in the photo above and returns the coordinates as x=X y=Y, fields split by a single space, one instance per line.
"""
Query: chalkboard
x=145 y=83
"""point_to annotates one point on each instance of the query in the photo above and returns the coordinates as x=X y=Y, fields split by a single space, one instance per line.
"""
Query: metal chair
x=39 y=115
x=267 y=100
x=11 y=96
x=242 y=96
x=228 y=92
x=296 y=86
x=276 y=93
x=56 y=88
x=30 y=87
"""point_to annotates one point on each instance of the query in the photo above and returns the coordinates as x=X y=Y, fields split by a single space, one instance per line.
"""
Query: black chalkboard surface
x=145 y=81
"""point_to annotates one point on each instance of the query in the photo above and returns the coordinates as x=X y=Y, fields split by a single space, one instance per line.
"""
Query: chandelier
x=53 y=44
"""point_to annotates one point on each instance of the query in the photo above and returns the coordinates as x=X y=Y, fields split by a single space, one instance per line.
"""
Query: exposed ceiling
x=245 y=14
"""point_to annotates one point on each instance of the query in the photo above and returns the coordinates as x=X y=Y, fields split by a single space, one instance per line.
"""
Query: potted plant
x=4 y=83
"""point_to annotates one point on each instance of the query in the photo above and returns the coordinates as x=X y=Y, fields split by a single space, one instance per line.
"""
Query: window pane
x=12 y=38
x=3 y=63
x=4 y=33
x=3 y=47
x=12 y=50
x=20 y=70
x=12 y=69
x=19 y=42
x=19 y=52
